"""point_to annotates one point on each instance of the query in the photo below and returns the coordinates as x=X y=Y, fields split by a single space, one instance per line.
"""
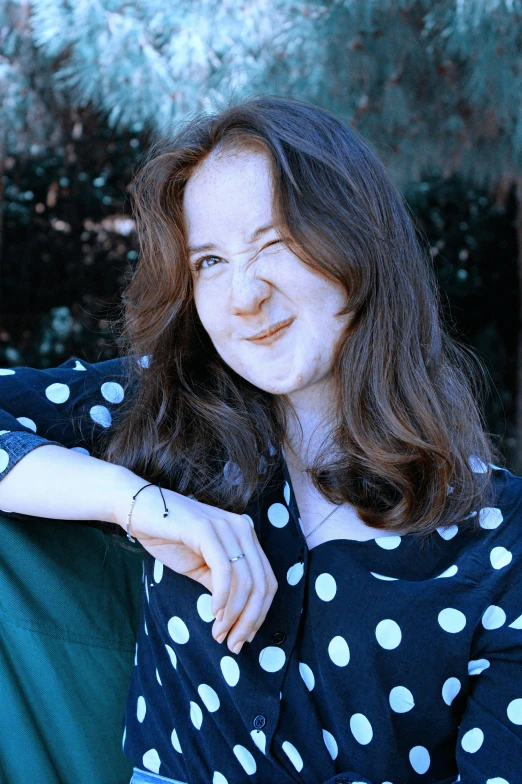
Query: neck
x=308 y=421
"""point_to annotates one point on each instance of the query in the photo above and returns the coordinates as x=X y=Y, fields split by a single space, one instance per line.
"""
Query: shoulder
x=503 y=519
x=497 y=548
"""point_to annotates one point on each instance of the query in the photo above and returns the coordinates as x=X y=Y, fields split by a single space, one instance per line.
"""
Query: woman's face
x=249 y=281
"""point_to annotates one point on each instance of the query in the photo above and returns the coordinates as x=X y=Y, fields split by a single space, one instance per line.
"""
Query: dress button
x=259 y=722
x=278 y=637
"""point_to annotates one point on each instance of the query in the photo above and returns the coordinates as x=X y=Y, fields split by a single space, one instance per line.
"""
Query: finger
x=241 y=580
x=246 y=602
x=217 y=560
x=249 y=618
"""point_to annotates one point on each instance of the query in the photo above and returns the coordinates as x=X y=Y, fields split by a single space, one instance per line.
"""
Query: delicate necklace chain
x=323 y=521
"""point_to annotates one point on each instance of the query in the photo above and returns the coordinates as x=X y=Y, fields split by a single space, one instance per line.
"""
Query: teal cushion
x=69 y=609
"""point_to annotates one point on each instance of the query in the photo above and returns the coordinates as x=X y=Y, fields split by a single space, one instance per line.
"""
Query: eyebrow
x=210 y=246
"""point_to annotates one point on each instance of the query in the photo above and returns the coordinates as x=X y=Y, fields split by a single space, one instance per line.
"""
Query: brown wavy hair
x=408 y=448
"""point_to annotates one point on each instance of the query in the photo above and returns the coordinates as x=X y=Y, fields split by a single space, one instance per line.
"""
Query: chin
x=275 y=387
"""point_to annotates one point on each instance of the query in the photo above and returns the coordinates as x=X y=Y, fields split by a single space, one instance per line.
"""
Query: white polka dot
x=248 y=518
x=259 y=738
x=136 y=655
x=112 y=391
x=472 y=740
x=338 y=651
x=500 y=557
x=101 y=415
x=4 y=431
x=477 y=666
x=286 y=492
x=293 y=755
x=361 y=728
x=245 y=759
x=175 y=740
x=151 y=760
x=325 y=587
x=209 y=697
x=388 y=634
x=204 y=604
x=172 y=655
x=497 y=779
x=158 y=677
x=272 y=659
x=145 y=626
x=218 y=778
x=124 y=736
x=450 y=571
x=517 y=623
x=141 y=709
x=448 y=532
x=196 y=715
x=477 y=465
x=383 y=577
x=147 y=590
x=494 y=617
x=490 y=517
x=144 y=361
x=4 y=460
x=388 y=542
x=78 y=366
x=514 y=711
x=158 y=570
x=401 y=699
x=178 y=630
x=451 y=620
x=450 y=689
x=81 y=450
x=6 y=372
x=307 y=675
x=331 y=744
x=27 y=423
x=57 y=393
x=278 y=515
x=419 y=759
x=230 y=670
x=295 y=573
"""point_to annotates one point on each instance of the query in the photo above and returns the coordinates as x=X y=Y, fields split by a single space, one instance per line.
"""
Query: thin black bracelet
x=165 y=513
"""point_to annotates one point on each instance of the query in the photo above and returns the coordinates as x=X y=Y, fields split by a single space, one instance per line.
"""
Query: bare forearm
x=55 y=482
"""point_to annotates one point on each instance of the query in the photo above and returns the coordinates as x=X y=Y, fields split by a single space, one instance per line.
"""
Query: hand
x=198 y=540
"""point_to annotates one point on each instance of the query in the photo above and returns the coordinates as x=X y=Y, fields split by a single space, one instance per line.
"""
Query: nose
x=247 y=290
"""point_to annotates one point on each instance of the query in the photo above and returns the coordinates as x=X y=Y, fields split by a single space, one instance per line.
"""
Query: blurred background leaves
x=85 y=85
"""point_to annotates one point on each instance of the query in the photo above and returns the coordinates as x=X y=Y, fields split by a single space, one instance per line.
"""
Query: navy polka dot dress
x=383 y=662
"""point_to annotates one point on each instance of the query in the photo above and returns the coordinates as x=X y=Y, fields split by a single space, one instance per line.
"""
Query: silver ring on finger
x=241 y=555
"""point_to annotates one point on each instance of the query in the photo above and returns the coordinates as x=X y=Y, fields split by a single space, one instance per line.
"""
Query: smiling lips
x=271 y=331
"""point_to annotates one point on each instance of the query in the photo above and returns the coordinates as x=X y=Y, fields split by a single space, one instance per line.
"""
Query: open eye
x=197 y=265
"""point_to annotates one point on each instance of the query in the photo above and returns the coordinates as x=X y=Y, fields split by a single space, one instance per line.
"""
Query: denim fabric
x=146 y=777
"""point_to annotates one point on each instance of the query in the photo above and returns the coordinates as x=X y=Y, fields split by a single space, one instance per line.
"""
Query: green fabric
x=69 y=608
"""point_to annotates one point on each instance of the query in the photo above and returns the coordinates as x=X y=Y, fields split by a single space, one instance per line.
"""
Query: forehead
x=229 y=190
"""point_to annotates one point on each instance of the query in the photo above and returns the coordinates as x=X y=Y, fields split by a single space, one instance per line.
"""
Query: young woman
x=317 y=484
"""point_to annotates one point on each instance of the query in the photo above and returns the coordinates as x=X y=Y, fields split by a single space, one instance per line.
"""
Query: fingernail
x=221 y=637
x=237 y=647
x=251 y=637
x=219 y=616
